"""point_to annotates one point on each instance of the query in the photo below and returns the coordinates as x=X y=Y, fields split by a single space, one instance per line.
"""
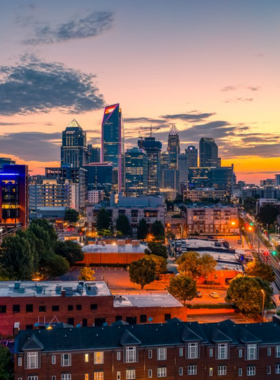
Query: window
x=118 y=375
x=32 y=378
x=210 y=352
x=19 y=361
x=222 y=370
x=32 y=360
x=98 y=375
x=130 y=374
x=192 y=351
x=53 y=359
x=130 y=354
x=161 y=372
x=66 y=376
x=251 y=352
x=29 y=327
x=277 y=352
x=16 y=308
x=55 y=307
x=192 y=370
x=42 y=309
x=3 y=309
x=150 y=373
x=181 y=351
x=161 y=354
x=119 y=355
x=268 y=370
x=66 y=360
x=268 y=351
x=150 y=354
x=167 y=316
x=86 y=358
x=78 y=307
x=84 y=322
x=240 y=353
x=180 y=371
x=99 y=357
x=239 y=372
x=222 y=351
x=143 y=318
x=29 y=308
x=53 y=377
x=70 y=307
x=210 y=371
x=70 y=321
x=277 y=369
x=251 y=370
x=93 y=306
x=86 y=376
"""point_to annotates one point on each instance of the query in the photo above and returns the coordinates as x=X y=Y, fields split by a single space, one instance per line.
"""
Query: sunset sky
x=211 y=67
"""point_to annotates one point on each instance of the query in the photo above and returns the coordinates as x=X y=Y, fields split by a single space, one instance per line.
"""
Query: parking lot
x=213 y=318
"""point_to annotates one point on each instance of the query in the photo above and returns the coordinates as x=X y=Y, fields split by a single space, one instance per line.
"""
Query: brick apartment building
x=27 y=305
x=173 y=350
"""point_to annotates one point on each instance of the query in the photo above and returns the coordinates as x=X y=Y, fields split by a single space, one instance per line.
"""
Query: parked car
x=214 y=295
x=239 y=242
x=198 y=295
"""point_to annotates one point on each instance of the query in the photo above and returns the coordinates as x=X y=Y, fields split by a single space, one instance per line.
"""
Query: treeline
x=37 y=252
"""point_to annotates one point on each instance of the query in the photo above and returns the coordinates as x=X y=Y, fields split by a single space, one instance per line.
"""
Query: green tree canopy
x=157 y=249
x=245 y=293
x=157 y=229
x=71 y=216
x=268 y=214
x=6 y=364
x=103 y=220
x=193 y=265
x=143 y=229
x=142 y=272
x=261 y=270
x=56 y=266
x=160 y=262
x=71 y=250
x=249 y=205
x=122 y=225
x=183 y=288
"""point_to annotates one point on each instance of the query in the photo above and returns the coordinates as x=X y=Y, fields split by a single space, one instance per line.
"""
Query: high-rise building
x=173 y=147
x=220 y=178
x=112 y=140
x=14 y=197
x=277 y=179
x=6 y=161
x=208 y=153
x=74 y=148
x=183 y=167
x=192 y=154
x=99 y=176
x=93 y=154
x=136 y=172
x=170 y=179
x=153 y=149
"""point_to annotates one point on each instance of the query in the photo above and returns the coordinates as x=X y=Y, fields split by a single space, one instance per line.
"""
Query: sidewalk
x=276 y=295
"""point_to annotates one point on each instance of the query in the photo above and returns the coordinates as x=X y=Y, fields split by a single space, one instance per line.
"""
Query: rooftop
x=146 y=300
x=114 y=248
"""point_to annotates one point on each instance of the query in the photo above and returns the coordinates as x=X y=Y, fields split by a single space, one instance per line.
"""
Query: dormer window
x=222 y=351
x=32 y=360
x=130 y=354
x=251 y=352
x=192 y=350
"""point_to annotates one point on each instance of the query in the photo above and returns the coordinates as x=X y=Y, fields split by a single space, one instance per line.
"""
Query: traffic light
x=251 y=224
x=265 y=253
x=274 y=253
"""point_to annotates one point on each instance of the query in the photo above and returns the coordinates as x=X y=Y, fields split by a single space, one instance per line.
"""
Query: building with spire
x=173 y=147
x=74 y=146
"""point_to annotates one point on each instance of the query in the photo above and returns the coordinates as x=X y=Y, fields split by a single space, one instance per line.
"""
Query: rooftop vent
x=135 y=243
x=58 y=289
x=121 y=242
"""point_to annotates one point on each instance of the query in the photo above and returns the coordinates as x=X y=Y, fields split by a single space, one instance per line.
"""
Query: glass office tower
x=112 y=140
x=136 y=172
x=74 y=148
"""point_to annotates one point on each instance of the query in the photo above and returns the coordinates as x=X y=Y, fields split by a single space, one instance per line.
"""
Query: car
x=214 y=295
x=198 y=295
x=239 y=241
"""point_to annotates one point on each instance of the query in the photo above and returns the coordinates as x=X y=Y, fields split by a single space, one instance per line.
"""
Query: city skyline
x=214 y=75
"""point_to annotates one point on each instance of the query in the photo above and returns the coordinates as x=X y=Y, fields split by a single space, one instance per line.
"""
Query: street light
x=263 y=294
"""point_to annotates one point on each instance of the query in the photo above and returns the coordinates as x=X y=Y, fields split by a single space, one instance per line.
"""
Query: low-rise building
x=196 y=195
x=95 y=196
x=170 y=350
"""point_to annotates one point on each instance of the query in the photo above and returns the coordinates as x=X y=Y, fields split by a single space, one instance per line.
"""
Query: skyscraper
x=191 y=152
x=74 y=148
x=136 y=172
x=93 y=154
x=183 y=167
x=173 y=147
x=112 y=140
x=153 y=149
x=208 y=153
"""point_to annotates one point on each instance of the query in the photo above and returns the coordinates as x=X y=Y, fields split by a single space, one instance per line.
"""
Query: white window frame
x=32 y=378
x=162 y=353
x=130 y=356
x=53 y=359
x=119 y=355
x=119 y=375
x=193 y=351
x=251 y=370
x=240 y=353
x=222 y=370
x=161 y=372
x=65 y=362
x=268 y=370
x=150 y=354
x=222 y=351
x=19 y=361
x=32 y=360
x=277 y=369
x=239 y=372
x=100 y=360
x=130 y=374
x=252 y=355
x=268 y=351
x=98 y=375
x=211 y=352
x=66 y=376
x=277 y=351
x=181 y=351
x=211 y=371
x=150 y=373
x=192 y=370
x=53 y=377
x=181 y=371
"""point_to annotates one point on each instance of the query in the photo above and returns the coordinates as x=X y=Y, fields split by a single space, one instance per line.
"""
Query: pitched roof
x=219 y=336
x=120 y=323
x=32 y=344
x=129 y=339
x=189 y=335
x=247 y=337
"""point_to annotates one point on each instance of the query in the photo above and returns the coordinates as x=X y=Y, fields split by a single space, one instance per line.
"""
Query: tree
x=268 y=214
x=86 y=274
x=122 y=225
x=261 y=270
x=249 y=205
x=157 y=229
x=71 y=216
x=193 y=265
x=46 y=226
x=245 y=293
x=142 y=272
x=157 y=249
x=183 y=288
x=71 y=250
x=143 y=229
x=6 y=364
x=103 y=220
x=56 y=266
x=170 y=235
x=160 y=262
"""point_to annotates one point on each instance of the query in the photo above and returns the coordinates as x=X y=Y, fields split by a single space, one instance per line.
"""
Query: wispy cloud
x=141 y=119
x=190 y=117
x=240 y=87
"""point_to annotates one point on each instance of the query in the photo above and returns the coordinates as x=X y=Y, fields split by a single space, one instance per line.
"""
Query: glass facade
x=74 y=149
x=136 y=172
x=208 y=152
x=220 y=178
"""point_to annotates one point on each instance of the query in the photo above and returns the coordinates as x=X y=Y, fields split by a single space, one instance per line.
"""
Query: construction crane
x=151 y=129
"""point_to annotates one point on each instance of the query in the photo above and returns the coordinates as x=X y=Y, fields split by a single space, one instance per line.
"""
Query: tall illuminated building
x=192 y=154
x=173 y=147
x=112 y=140
x=136 y=172
x=208 y=153
x=74 y=150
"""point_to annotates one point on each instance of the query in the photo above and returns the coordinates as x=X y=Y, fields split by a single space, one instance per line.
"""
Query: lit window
x=130 y=374
x=161 y=354
x=86 y=358
x=222 y=370
x=86 y=376
x=150 y=373
x=277 y=369
x=192 y=351
x=210 y=371
x=180 y=371
x=99 y=357
x=192 y=370
x=32 y=360
x=161 y=372
x=66 y=360
x=251 y=370
x=181 y=351
x=222 y=351
x=98 y=375
x=130 y=354
x=251 y=352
